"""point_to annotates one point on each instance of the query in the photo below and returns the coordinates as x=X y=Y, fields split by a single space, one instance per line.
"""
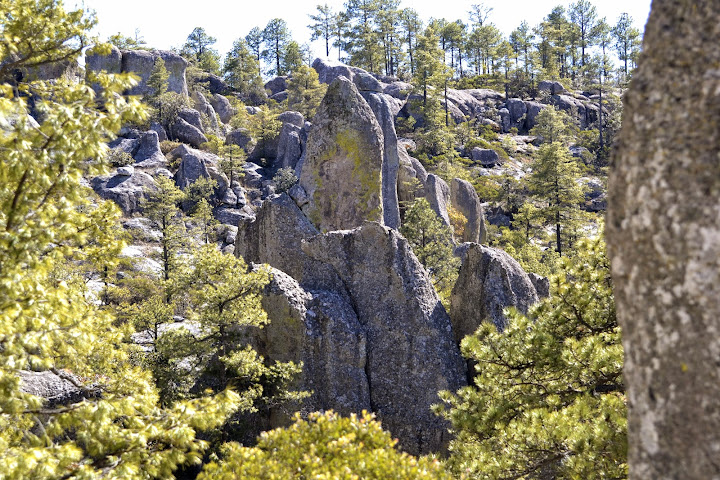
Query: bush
x=119 y=158
x=284 y=179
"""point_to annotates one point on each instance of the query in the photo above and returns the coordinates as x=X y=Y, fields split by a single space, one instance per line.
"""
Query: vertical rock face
x=274 y=237
x=383 y=108
x=320 y=329
x=489 y=281
x=464 y=197
x=342 y=169
x=437 y=194
x=663 y=234
x=411 y=354
x=141 y=62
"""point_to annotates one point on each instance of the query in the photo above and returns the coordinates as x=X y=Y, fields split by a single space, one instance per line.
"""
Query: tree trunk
x=663 y=231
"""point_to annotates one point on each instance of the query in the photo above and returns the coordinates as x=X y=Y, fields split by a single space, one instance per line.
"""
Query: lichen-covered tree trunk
x=663 y=233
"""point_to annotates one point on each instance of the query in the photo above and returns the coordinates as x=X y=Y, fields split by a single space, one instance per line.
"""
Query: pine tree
x=324 y=445
x=305 y=92
x=412 y=27
x=254 y=40
x=198 y=48
x=242 y=71
x=364 y=45
x=548 y=399
x=431 y=242
x=162 y=206
x=323 y=26
x=554 y=183
x=50 y=326
x=584 y=15
x=292 y=57
x=275 y=36
x=627 y=40
x=430 y=82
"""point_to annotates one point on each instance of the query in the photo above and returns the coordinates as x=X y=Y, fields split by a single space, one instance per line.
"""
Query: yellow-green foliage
x=548 y=399
x=48 y=324
x=325 y=446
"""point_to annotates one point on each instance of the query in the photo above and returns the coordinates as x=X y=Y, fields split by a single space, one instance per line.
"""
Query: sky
x=166 y=24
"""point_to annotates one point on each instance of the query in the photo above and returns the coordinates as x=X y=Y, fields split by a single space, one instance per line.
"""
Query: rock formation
x=125 y=190
x=141 y=62
x=464 y=198
x=663 y=232
x=342 y=170
x=489 y=281
x=411 y=354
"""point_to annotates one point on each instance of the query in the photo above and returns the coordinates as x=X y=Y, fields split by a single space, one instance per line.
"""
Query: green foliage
x=554 y=182
x=264 y=127
x=323 y=446
x=119 y=158
x=158 y=81
x=124 y=42
x=431 y=241
x=548 y=399
x=553 y=125
x=161 y=206
x=276 y=37
x=198 y=50
x=305 y=92
x=284 y=179
x=47 y=324
x=242 y=72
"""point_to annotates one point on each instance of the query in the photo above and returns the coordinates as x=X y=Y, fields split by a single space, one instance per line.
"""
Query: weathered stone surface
x=321 y=330
x=160 y=130
x=342 y=169
x=486 y=156
x=275 y=236
x=464 y=198
x=533 y=108
x=187 y=133
x=489 y=281
x=148 y=154
x=192 y=116
x=126 y=191
x=365 y=82
x=553 y=88
x=663 y=231
x=587 y=113
x=108 y=63
x=437 y=194
x=56 y=390
x=292 y=117
x=127 y=145
x=290 y=146
x=222 y=107
x=277 y=85
x=328 y=70
x=205 y=108
x=541 y=284
x=517 y=110
x=195 y=164
x=126 y=171
x=240 y=137
x=382 y=107
x=141 y=62
x=412 y=178
x=411 y=354
x=216 y=85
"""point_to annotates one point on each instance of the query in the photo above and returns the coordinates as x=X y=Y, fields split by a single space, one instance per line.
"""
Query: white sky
x=165 y=24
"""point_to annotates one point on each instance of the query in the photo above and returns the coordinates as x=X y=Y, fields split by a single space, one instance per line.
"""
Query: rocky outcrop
x=222 y=107
x=586 y=112
x=412 y=178
x=185 y=132
x=437 y=194
x=487 y=157
x=663 y=231
x=551 y=87
x=489 y=281
x=277 y=85
x=321 y=330
x=148 y=154
x=275 y=236
x=328 y=70
x=342 y=169
x=141 y=62
x=54 y=389
x=205 y=108
x=382 y=107
x=125 y=190
x=465 y=199
x=195 y=164
x=411 y=354
x=240 y=137
x=290 y=146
